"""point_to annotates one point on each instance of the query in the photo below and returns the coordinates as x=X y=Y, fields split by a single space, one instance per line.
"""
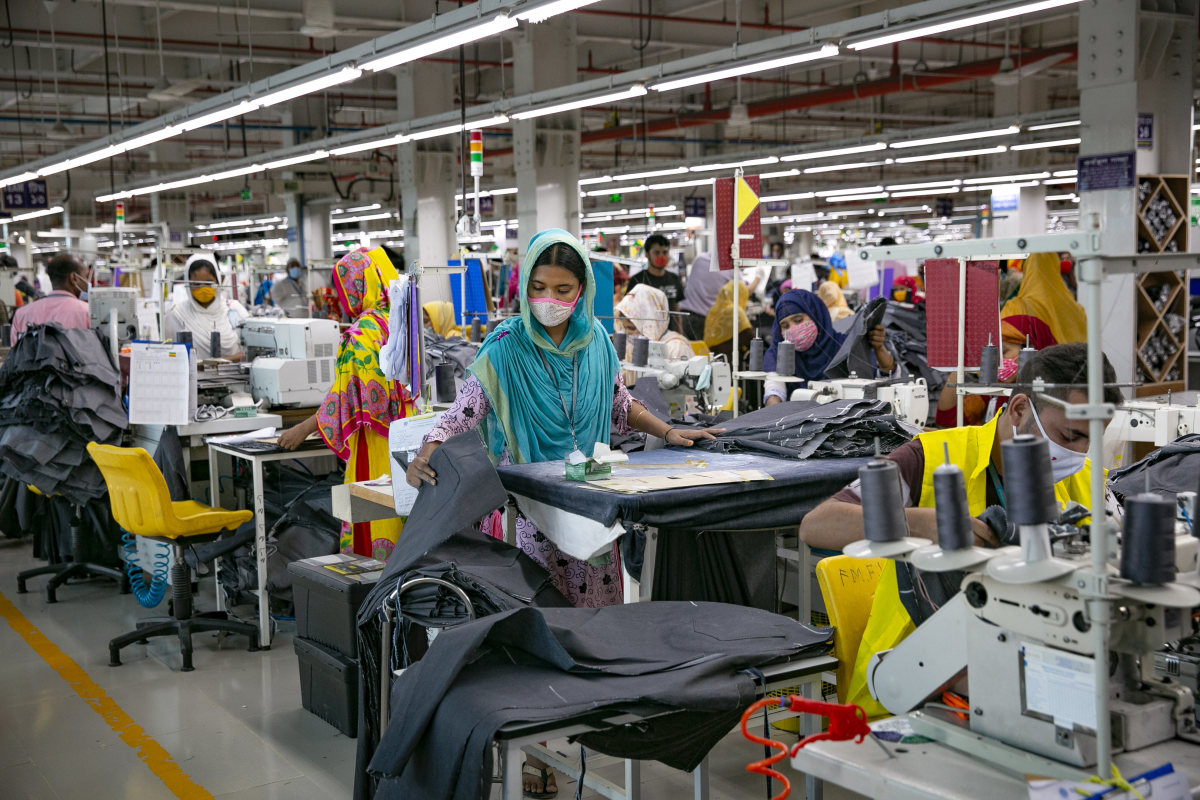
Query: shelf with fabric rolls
x=1160 y=305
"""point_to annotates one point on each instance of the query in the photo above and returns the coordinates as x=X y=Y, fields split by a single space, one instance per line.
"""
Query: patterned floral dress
x=586 y=584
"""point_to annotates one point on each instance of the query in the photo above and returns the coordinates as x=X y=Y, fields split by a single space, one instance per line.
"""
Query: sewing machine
x=1021 y=632
x=293 y=359
x=1151 y=421
x=709 y=381
x=909 y=401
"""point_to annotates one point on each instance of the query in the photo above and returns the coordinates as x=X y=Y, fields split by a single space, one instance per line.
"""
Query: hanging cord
x=582 y=773
x=112 y=175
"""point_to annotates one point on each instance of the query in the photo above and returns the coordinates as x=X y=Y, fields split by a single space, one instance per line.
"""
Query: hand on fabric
x=684 y=437
x=877 y=340
x=294 y=436
x=419 y=471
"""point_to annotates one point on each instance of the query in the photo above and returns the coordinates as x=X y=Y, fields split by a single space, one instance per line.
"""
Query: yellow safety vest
x=970 y=449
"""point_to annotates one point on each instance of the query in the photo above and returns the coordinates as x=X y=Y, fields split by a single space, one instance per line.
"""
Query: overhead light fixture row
x=824 y=51
x=918 y=30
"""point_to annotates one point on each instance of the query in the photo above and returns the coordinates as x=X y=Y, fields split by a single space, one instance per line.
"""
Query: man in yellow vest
x=904 y=597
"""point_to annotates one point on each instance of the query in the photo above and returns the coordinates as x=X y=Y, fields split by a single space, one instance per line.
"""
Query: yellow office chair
x=142 y=505
x=848 y=588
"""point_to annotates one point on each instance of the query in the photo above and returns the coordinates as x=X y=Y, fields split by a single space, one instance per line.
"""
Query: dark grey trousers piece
x=854 y=356
x=1172 y=469
x=536 y=665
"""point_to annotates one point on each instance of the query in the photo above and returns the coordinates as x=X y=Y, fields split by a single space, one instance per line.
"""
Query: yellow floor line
x=149 y=751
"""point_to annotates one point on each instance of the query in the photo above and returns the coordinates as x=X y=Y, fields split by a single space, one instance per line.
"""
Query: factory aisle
x=73 y=727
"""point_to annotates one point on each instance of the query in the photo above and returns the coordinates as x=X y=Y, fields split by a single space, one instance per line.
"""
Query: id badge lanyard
x=574 y=393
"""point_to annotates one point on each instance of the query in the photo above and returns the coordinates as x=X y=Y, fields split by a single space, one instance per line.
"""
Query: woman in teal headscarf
x=544 y=384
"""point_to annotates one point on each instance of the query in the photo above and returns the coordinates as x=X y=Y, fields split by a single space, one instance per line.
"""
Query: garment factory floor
x=75 y=727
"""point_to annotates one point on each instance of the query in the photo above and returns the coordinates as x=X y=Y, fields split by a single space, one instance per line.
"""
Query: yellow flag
x=745 y=201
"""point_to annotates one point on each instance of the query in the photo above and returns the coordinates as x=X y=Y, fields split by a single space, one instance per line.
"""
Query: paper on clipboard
x=404 y=440
x=161 y=381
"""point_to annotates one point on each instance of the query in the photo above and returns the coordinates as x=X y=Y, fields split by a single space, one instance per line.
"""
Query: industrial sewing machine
x=292 y=359
x=105 y=301
x=1152 y=421
x=1021 y=630
x=706 y=379
x=909 y=400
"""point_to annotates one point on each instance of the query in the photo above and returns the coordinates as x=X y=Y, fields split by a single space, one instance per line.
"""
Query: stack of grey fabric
x=59 y=390
x=905 y=326
x=841 y=429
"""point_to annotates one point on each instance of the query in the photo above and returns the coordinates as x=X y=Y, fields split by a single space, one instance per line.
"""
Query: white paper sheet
x=404 y=436
x=160 y=384
x=1060 y=685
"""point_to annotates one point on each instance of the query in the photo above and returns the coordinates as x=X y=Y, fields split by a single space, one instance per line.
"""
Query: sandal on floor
x=546 y=776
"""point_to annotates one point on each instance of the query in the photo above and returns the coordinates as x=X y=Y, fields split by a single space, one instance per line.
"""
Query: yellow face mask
x=204 y=294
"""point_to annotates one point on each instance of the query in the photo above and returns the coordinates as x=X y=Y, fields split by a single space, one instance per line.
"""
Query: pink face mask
x=1008 y=368
x=551 y=312
x=802 y=336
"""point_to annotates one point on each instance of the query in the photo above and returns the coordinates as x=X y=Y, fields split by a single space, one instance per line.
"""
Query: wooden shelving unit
x=1161 y=305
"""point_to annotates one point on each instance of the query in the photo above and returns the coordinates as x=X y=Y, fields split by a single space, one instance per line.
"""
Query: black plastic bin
x=327 y=591
x=328 y=685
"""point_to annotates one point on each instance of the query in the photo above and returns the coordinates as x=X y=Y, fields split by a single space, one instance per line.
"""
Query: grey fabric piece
x=169 y=459
x=454 y=350
x=59 y=390
x=854 y=356
x=905 y=326
x=1172 y=469
x=535 y=665
x=841 y=429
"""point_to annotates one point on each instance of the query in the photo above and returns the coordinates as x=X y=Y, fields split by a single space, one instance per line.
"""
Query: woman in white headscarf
x=203 y=311
x=644 y=311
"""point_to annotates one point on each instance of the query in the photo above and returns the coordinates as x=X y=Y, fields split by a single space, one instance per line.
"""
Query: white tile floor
x=235 y=726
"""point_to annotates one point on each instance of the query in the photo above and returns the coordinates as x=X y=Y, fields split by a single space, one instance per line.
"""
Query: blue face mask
x=294 y=273
x=83 y=296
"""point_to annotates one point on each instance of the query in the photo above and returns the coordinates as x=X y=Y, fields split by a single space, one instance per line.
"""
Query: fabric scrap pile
x=59 y=390
x=841 y=429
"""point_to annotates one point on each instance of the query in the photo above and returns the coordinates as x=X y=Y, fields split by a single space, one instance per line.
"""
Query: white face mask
x=1063 y=462
x=551 y=312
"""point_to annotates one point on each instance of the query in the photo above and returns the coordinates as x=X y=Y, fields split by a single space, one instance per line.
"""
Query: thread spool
x=882 y=503
x=491 y=326
x=641 y=351
x=443 y=381
x=950 y=506
x=214 y=344
x=757 y=347
x=183 y=337
x=1028 y=484
x=989 y=364
x=476 y=330
x=1148 y=542
x=1026 y=353
x=619 y=344
x=785 y=360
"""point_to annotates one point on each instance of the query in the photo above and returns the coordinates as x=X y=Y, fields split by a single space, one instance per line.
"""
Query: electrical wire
x=765 y=766
x=147 y=596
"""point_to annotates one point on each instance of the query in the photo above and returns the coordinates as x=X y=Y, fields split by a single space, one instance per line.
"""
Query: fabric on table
x=797 y=487
x=717 y=566
x=718 y=324
x=1045 y=295
x=841 y=429
x=58 y=391
x=810 y=363
x=1172 y=469
x=530 y=382
x=533 y=665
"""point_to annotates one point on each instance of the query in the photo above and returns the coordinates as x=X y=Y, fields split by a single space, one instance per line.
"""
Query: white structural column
x=546 y=149
x=1019 y=210
x=314 y=228
x=425 y=174
x=1130 y=62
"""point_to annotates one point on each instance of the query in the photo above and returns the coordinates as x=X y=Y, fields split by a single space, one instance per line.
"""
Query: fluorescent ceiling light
x=787 y=173
x=1058 y=181
x=220 y=115
x=927 y=185
x=839 y=167
x=956 y=154
x=753 y=162
x=654 y=173
x=499 y=119
x=1031 y=176
x=780 y=197
x=637 y=90
x=824 y=51
x=444 y=41
x=861 y=190
x=543 y=13
x=1060 y=197
x=841 y=151
x=1044 y=145
x=363 y=218
x=849 y=198
x=958 y=23
x=35 y=214
x=680 y=184
x=151 y=138
x=927 y=192
x=489 y=192
x=1066 y=173
x=374 y=144
x=1047 y=126
x=24 y=176
x=343 y=75
x=590 y=181
x=616 y=190
x=287 y=162
x=902 y=209
x=956 y=137
x=220 y=176
x=371 y=207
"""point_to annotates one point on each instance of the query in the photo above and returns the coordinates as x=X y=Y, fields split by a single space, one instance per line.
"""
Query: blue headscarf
x=810 y=364
x=527 y=416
